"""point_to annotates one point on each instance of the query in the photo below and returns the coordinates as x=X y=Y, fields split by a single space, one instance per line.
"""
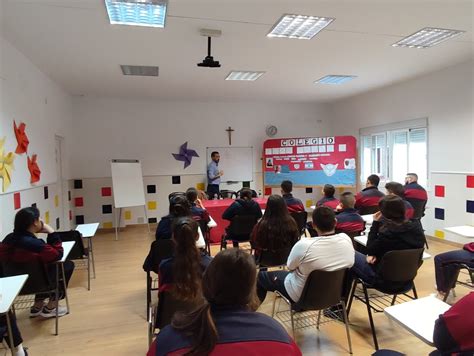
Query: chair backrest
x=274 y=258
x=322 y=290
x=168 y=305
x=366 y=210
x=160 y=250
x=242 y=224
x=38 y=279
x=300 y=218
x=400 y=265
x=228 y=194
x=175 y=194
x=78 y=251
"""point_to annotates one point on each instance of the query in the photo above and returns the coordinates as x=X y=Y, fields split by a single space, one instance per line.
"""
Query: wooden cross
x=229 y=132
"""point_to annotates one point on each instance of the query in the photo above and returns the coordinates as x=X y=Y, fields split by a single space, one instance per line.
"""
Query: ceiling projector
x=209 y=61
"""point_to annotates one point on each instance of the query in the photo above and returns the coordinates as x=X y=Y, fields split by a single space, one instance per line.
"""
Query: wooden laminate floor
x=110 y=319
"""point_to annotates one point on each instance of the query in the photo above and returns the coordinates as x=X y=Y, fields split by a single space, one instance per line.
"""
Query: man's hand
x=46 y=229
x=371 y=259
x=221 y=173
x=377 y=216
x=199 y=203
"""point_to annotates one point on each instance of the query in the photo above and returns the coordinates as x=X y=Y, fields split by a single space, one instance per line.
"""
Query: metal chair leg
x=88 y=271
x=415 y=294
x=394 y=299
x=369 y=311
x=91 y=253
x=351 y=297
x=346 y=322
x=148 y=292
x=319 y=318
x=274 y=302
x=292 y=322
x=65 y=289
x=57 y=301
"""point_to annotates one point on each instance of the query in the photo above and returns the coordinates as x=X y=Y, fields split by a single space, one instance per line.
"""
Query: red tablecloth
x=216 y=208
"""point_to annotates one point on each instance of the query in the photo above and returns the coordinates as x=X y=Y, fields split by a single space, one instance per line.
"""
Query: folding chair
x=79 y=252
x=469 y=284
x=228 y=194
x=395 y=276
x=323 y=290
x=300 y=218
x=241 y=227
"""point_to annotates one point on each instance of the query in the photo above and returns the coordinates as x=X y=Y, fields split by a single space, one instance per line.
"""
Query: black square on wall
x=79 y=219
x=152 y=220
x=245 y=184
x=176 y=179
x=107 y=209
x=46 y=192
x=77 y=183
x=33 y=205
x=309 y=190
x=57 y=223
x=69 y=195
x=151 y=189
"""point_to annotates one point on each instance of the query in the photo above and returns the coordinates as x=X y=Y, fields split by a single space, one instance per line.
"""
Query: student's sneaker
x=35 y=311
x=51 y=313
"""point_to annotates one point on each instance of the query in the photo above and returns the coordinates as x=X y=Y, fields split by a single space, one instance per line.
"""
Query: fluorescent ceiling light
x=149 y=13
x=335 y=79
x=244 y=75
x=299 y=26
x=427 y=37
x=144 y=71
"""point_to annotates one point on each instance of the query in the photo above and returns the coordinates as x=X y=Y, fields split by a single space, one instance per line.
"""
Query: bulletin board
x=309 y=161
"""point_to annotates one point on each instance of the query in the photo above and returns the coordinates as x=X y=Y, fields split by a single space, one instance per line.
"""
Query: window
x=392 y=151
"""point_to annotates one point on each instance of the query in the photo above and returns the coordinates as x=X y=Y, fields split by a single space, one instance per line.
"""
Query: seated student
x=393 y=233
x=348 y=220
x=293 y=204
x=454 y=330
x=394 y=188
x=328 y=199
x=198 y=211
x=244 y=205
x=416 y=195
x=328 y=252
x=17 y=349
x=182 y=273
x=226 y=324
x=179 y=206
x=277 y=230
x=446 y=268
x=368 y=199
x=22 y=245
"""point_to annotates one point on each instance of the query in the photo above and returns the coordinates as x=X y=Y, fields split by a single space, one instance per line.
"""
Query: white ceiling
x=73 y=43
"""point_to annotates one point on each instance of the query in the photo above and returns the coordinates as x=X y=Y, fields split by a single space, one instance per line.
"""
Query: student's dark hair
x=229 y=280
x=179 y=206
x=347 y=200
x=214 y=153
x=392 y=208
x=374 y=180
x=324 y=218
x=186 y=260
x=191 y=194
x=329 y=190
x=414 y=175
x=287 y=186
x=25 y=218
x=395 y=188
x=277 y=229
x=246 y=193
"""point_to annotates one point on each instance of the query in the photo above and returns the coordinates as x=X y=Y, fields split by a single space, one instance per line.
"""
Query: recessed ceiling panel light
x=149 y=13
x=144 y=71
x=335 y=79
x=299 y=26
x=427 y=37
x=244 y=75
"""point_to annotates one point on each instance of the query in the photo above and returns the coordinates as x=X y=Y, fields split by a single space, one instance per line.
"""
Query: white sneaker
x=51 y=313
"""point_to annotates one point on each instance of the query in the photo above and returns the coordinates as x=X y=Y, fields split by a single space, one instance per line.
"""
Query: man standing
x=416 y=195
x=367 y=200
x=214 y=176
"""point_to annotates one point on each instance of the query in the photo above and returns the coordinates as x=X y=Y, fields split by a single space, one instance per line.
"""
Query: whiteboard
x=236 y=162
x=127 y=182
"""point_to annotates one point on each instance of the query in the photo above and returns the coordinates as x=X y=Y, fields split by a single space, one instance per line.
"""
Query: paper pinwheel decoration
x=35 y=172
x=6 y=165
x=185 y=155
x=21 y=138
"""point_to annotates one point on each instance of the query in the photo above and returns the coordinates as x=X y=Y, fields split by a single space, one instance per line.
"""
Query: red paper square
x=268 y=191
x=78 y=202
x=470 y=181
x=17 y=200
x=439 y=190
x=70 y=215
x=106 y=192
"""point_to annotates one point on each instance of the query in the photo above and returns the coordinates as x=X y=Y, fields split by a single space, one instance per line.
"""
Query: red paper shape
x=268 y=190
x=470 y=181
x=439 y=191
x=16 y=201
x=35 y=172
x=106 y=192
x=21 y=138
x=78 y=202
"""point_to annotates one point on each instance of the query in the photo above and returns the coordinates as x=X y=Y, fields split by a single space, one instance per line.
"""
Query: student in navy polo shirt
x=348 y=220
x=179 y=207
x=293 y=204
x=226 y=324
x=416 y=195
x=328 y=200
x=367 y=200
x=394 y=188
x=197 y=209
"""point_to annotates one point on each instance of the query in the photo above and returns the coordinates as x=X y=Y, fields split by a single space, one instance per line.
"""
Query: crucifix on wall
x=229 y=132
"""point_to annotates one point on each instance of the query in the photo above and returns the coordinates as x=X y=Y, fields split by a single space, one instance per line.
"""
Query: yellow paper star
x=6 y=165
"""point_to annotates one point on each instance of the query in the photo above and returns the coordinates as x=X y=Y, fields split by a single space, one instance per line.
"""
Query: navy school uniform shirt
x=409 y=211
x=349 y=220
x=163 y=230
x=329 y=202
x=416 y=195
x=368 y=197
x=199 y=213
x=294 y=204
x=241 y=332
